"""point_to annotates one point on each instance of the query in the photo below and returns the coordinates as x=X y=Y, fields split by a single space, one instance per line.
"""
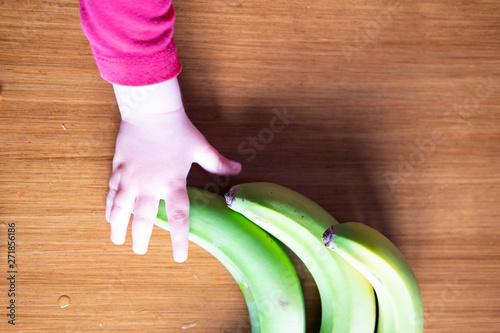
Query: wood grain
x=396 y=124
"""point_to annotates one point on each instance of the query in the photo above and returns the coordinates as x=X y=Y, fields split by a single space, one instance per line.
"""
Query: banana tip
x=230 y=196
x=328 y=236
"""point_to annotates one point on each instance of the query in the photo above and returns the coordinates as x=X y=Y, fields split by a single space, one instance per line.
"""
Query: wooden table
x=396 y=124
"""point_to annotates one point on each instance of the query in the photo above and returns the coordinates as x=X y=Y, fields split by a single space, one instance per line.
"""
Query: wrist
x=135 y=102
x=148 y=123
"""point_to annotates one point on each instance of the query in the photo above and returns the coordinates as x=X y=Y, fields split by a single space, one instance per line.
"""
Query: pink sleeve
x=132 y=40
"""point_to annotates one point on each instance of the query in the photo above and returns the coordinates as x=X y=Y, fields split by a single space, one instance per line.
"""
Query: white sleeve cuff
x=156 y=98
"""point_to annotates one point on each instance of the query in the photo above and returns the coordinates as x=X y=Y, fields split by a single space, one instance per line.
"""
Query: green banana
x=379 y=260
x=257 y=262
x=347 y=298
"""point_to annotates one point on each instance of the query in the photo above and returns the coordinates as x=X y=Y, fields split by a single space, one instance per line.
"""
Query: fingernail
x=235 y=165
x=118 y=240
x=140 y=249
x=180 y=256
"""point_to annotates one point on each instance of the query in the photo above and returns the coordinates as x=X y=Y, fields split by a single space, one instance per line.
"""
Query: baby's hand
x=154 y=152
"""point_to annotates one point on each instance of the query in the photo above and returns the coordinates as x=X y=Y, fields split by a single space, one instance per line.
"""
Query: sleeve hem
x=139 y=70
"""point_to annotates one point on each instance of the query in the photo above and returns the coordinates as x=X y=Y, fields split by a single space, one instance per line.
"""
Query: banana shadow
x=338 y=171
x=333 y=167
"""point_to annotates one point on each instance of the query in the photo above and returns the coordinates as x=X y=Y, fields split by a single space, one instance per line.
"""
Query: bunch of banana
x=347 y=298
x=257 y=262
x=362 y=258
x=398 y=295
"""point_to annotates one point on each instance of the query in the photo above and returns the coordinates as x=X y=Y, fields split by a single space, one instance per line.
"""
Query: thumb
x=213 y=162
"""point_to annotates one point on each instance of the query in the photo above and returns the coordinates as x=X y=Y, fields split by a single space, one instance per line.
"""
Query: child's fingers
x=213 y=162
x=123 y=206
x=177 y=207
x=109 y=202
x=114 y=182
x=145 y=212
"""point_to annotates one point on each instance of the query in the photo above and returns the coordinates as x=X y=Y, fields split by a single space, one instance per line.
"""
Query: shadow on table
x=333 y=167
